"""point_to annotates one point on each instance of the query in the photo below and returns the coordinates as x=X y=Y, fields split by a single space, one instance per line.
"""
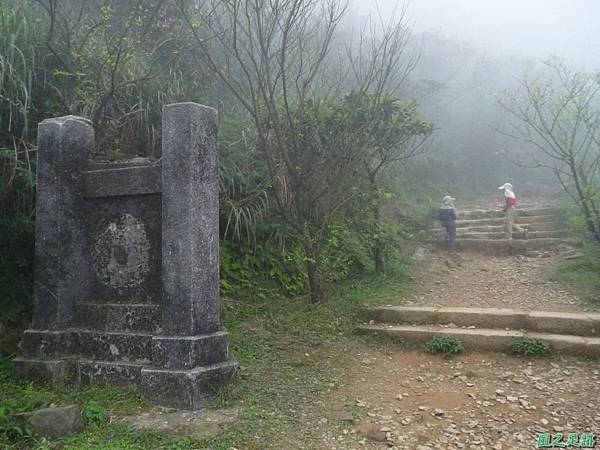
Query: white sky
x=538 y=28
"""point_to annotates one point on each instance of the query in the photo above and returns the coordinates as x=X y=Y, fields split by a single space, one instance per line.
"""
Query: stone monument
x=127 y=264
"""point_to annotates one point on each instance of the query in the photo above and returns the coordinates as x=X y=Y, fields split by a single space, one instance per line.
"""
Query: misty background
x=530 y=29
x=471 y=51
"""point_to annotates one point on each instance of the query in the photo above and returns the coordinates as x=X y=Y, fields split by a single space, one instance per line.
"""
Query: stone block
x=51 y=423
x=48 y=344
x=564 y=323
x=400 y=314
x=113 y=346
x=187 y=389
x=592 y=346
x=117 y=373
x=484 y=317
x=110 y=181
x=54 y=372
x=187 y=352
x=488 y=340
x=570 y=345
x=136 y=318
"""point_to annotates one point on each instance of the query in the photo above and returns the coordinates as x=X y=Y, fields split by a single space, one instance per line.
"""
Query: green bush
x=17 y=247
x=444 y=345
x=529 y=346
x=345 y=253
x=94 y=413
x=264 y=270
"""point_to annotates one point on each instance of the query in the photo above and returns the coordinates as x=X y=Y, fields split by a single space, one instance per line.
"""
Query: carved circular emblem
x=121 y=253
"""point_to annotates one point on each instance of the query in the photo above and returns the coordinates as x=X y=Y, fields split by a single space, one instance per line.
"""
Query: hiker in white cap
x=510 y=207
x=447 y=216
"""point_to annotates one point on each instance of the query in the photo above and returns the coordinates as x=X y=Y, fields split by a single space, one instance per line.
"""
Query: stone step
x=579 y=324
x=84 y=372
x=117 y=373
x=507 y=247
x=88 y=344
x=119 y=317
x=484 y=338
x=535 y=227
x=495 y=213
x=527 y=222
x=198 y=386
x=516 y=235
x=115 y=346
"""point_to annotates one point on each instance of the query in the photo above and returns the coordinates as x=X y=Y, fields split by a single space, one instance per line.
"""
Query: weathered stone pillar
x=190 y=220
x=191 y=361
x=64 y=145
x=127 y=264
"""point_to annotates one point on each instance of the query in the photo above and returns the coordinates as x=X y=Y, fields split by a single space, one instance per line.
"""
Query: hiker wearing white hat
x=447 y=216
x=510 y=208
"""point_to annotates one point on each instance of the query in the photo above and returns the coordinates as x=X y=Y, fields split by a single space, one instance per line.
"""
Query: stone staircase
x=486 y=329
x=483 y=230
x=110 y=343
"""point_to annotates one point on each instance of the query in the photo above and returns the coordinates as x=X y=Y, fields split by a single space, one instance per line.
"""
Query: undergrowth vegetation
x=528 y=346
x=444 y=345
x=291 y=352
x=581 y=273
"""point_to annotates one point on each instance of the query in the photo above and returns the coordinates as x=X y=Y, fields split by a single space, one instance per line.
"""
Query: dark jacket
x=447 y=216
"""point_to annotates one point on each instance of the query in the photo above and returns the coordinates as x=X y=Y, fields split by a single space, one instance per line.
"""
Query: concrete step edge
x=580 y=324
x=487 y=339
x=524 y=220
x=491 y=228
x=558 y=234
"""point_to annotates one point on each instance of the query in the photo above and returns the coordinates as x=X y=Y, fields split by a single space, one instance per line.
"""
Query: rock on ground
x=202 y=424
x=51 y=422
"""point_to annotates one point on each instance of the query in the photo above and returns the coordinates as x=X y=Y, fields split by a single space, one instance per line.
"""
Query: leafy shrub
x=264 y=269
x=444 y=345
x=16 y=279
x=94 y=413
x=529 y=346
x=345 y=253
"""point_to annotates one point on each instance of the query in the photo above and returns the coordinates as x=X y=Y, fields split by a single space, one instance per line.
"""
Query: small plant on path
x=444 y=345
x=529 y=346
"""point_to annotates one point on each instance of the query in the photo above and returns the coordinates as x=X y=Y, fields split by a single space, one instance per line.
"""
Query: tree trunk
x=378 y=257
x=378 y=243
x=591 y=224
x=315 y=280
x=585 y=207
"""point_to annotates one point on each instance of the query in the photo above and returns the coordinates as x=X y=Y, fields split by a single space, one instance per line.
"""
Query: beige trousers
x=509 y=223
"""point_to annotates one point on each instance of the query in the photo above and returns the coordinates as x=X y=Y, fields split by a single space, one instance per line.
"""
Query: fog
x=528 y=28
x=472 y=51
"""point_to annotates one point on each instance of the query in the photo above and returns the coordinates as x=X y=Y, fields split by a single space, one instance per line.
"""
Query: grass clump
x=444 y=345
x=581 y=275
x=529 y=346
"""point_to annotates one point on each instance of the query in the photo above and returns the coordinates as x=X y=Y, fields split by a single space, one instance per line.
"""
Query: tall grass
x=18 y=69
x=18 y=73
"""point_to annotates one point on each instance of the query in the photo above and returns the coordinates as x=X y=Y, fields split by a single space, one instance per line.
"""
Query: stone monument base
x=119 y=344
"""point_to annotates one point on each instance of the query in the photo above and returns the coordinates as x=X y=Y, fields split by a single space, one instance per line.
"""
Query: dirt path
x=485 y=281
x=406 y=399
x=413 y=401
